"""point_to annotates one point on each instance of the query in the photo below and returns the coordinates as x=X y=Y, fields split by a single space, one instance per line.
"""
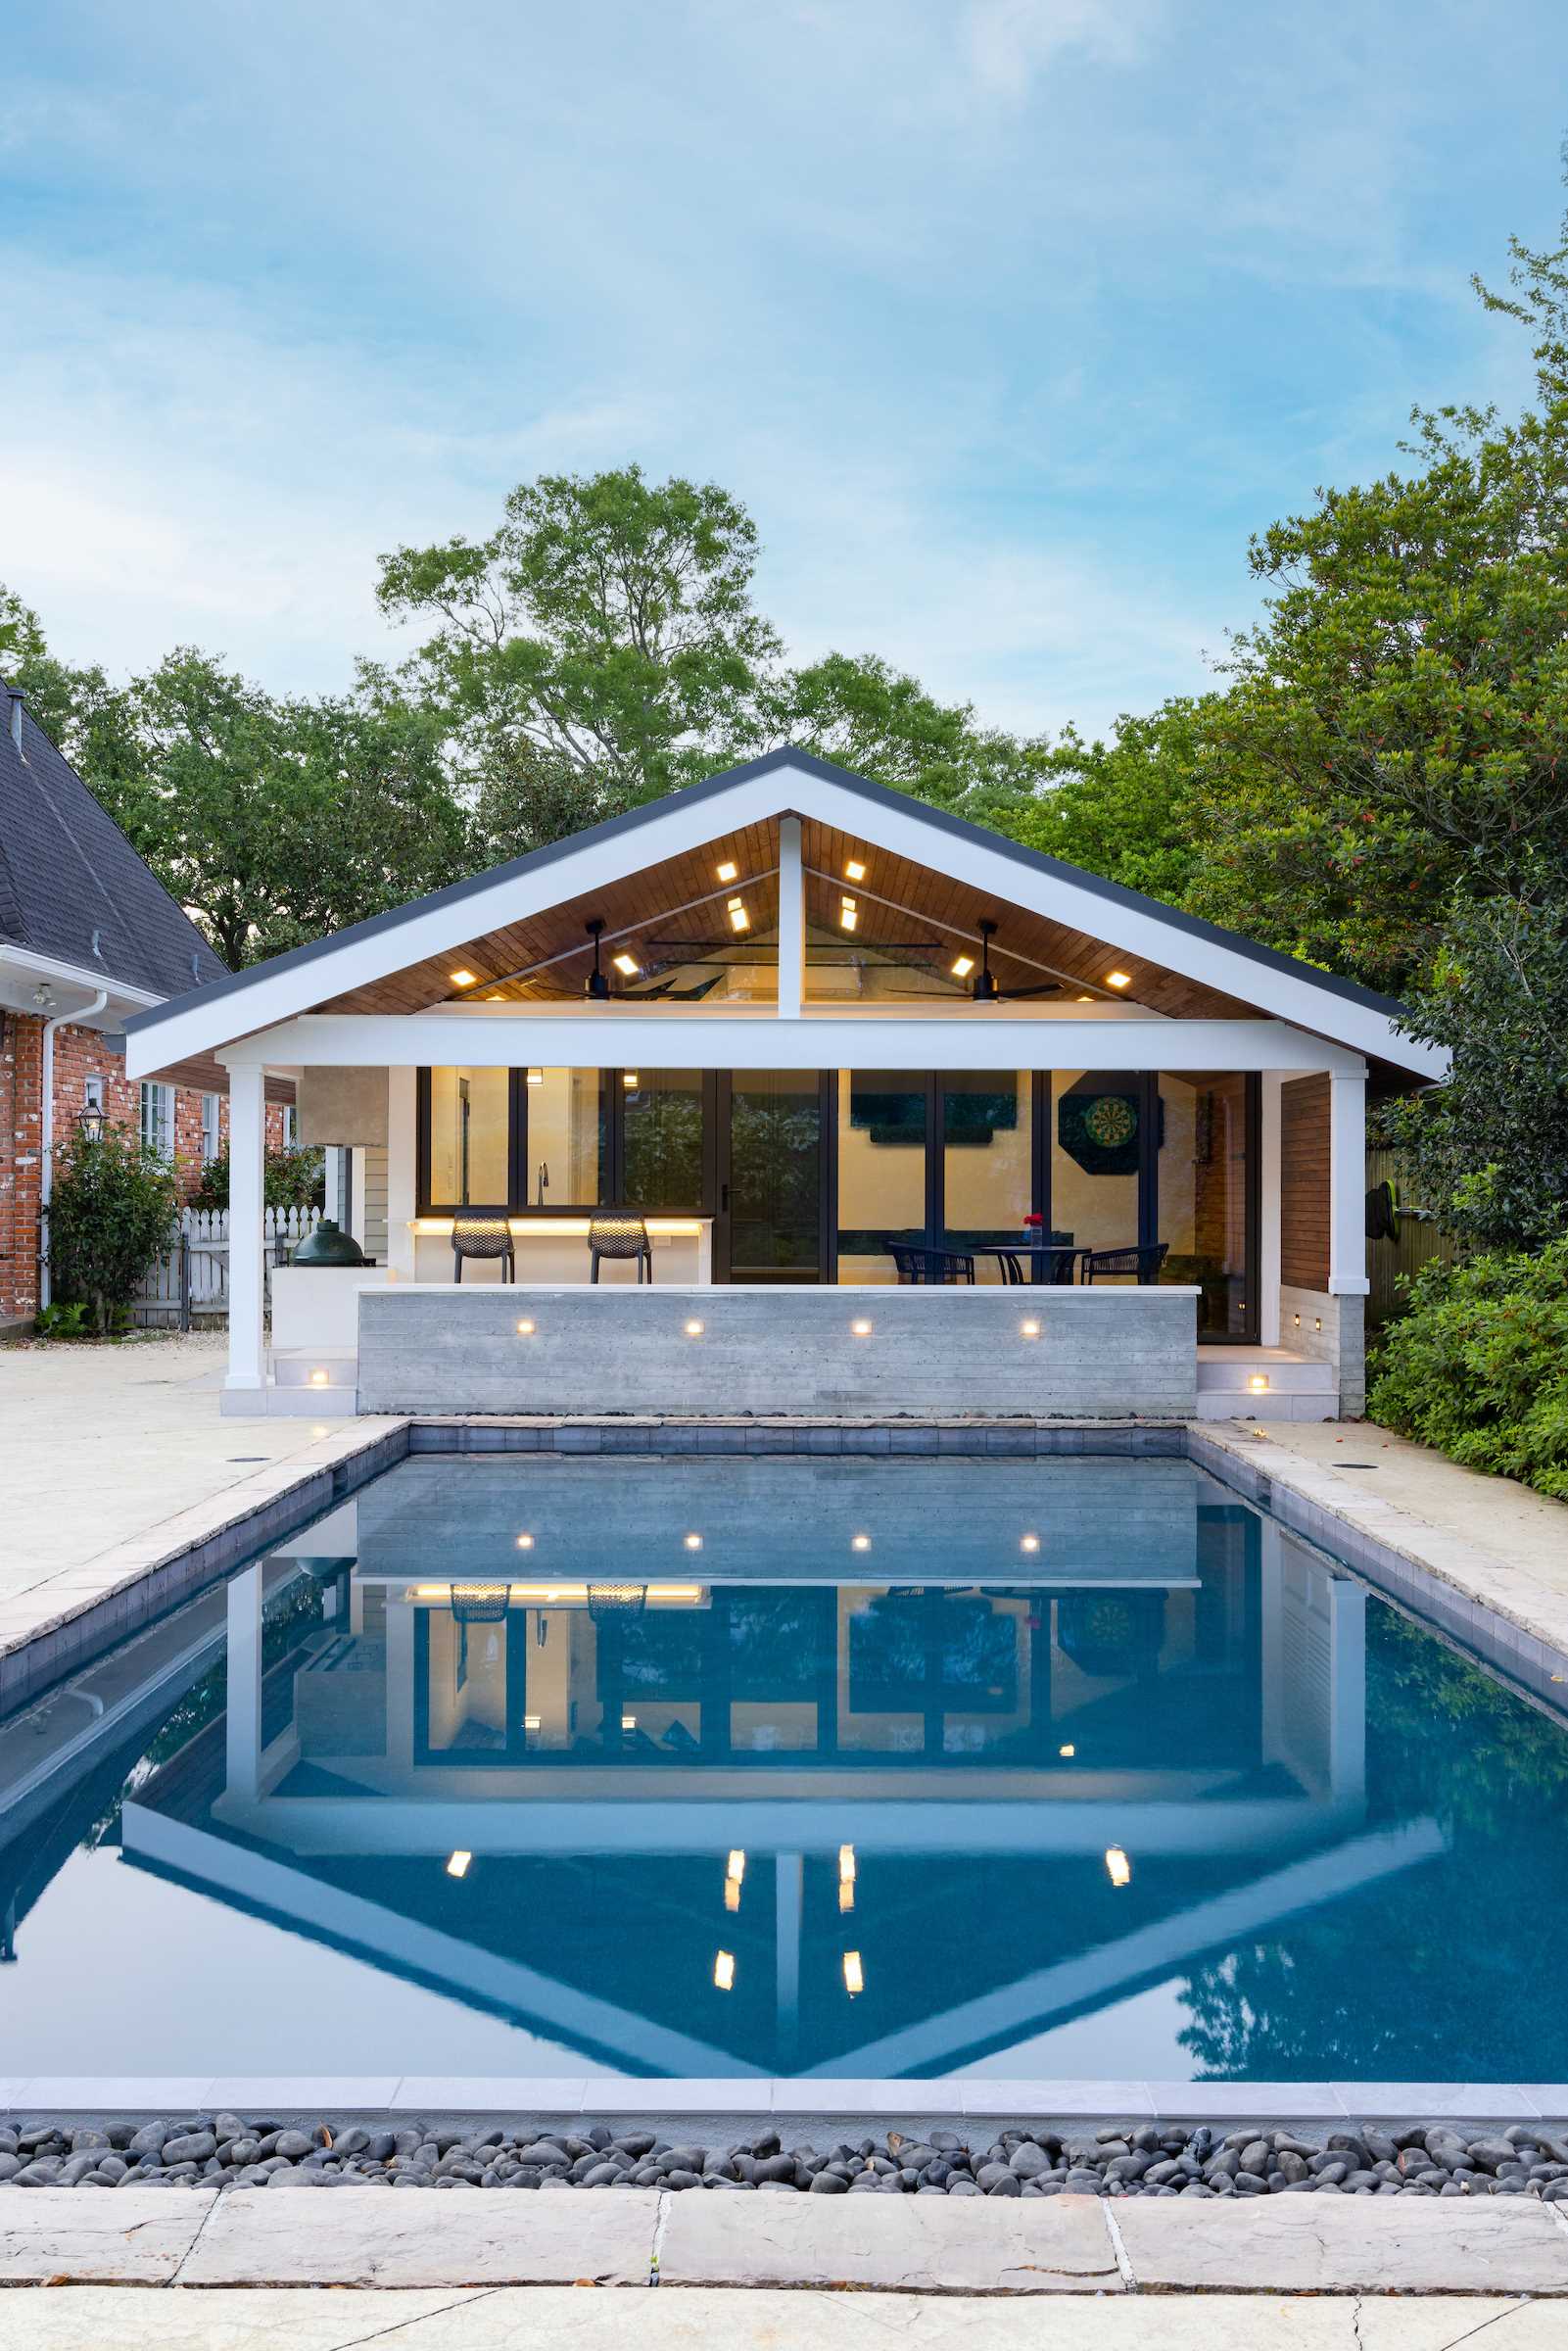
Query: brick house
x=87 y=935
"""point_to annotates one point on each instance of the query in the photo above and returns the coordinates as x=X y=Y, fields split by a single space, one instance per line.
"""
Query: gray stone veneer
x=1333 y=1330
x=1084 y=1354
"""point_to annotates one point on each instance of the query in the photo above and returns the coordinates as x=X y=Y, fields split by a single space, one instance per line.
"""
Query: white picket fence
x=192 y=1277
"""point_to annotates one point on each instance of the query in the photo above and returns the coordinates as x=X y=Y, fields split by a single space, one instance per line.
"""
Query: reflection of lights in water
x=1118 y=1867
x=846 y=1893
x=736 y=1866
x=732 y=1893
x=854 y=1974
x=846 y=1864
x=1070 y=1751
x=457 y=1864
x=724 y=1971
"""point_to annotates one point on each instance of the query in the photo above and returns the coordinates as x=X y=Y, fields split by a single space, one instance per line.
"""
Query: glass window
x=775 y=1175
x=881 y=1169
x=1203 y=1196
x=1096 y=1144
x=987 y=1156
x=158 y=1118
x=469 y=1138
x=663 y=1162
x=566 y=1147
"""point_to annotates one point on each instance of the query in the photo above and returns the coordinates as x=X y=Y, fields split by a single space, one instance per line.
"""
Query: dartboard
x=1111 y=1121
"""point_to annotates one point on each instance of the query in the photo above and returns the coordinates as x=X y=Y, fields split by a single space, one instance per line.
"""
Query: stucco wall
x=1097 y=1353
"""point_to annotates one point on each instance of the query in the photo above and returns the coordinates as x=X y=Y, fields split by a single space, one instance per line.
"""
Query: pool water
x=858 y=1767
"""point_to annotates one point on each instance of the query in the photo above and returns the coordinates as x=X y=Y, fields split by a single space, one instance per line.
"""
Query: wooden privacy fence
x=191 y=1279
x=1419 y=1238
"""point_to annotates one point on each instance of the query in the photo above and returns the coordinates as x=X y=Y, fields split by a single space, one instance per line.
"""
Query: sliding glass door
x=772 y=1177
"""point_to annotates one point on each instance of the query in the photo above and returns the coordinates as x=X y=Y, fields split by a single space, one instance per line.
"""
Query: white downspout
x=46 y=1173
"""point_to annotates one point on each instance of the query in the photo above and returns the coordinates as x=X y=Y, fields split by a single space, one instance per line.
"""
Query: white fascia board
x=31 y=967
x=991 y=1040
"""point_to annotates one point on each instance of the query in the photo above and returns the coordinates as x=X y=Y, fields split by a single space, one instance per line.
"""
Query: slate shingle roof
x=67 y=871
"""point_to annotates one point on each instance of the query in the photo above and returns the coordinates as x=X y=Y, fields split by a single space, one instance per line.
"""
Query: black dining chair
x=1143 y=1261
x=619 y=1237
x=930 y=1267
x=483 y=1236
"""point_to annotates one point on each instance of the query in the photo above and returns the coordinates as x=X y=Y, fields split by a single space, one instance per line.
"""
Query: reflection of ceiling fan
x=984 y=989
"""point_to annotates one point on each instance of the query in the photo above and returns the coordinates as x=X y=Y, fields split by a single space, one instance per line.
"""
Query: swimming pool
x=850 y=1767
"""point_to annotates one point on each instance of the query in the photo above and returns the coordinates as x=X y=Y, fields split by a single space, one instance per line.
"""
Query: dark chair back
x=483 y=1236
x=619 y=1237
x=930 y=1267
x=1144 y=1263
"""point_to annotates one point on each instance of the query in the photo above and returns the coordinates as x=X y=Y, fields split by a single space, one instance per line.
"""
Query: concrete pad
x=380 y=2237
x=125 y=2237
x=1057 y=2244
x=527 y=2319
x=1345 y=2245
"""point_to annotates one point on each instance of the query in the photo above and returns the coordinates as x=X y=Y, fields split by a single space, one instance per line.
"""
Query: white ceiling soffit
x=216 y=1015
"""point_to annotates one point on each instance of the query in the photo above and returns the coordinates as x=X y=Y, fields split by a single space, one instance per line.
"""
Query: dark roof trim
x=882 y=796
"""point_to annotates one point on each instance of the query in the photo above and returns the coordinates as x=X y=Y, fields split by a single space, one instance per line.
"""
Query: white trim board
x=690 y=820
x=992 y=1040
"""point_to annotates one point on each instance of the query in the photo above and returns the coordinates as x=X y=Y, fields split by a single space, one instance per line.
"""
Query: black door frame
x=718 y=1102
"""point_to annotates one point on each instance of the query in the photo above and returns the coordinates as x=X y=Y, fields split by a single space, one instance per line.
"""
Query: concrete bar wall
x=1082 y=1354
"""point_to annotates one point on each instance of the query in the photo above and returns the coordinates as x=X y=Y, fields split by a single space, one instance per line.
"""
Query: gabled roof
x=310 y=975
x=72 y=889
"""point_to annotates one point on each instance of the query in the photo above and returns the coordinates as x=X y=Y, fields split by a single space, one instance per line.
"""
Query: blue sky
x=1008 y=319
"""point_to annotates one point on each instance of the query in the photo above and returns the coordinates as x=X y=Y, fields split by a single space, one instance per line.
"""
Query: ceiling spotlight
x=849 y=913
x=462 y=979
x=629 y=1081
x=963 y=967
x=1119 y=978
x=854 y=871
x=727 y=871
x=985 y=990
x=535 y=1076
x=627 y=965
x=740 y=920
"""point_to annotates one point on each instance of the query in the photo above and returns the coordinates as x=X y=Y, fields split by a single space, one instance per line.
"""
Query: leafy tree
x=290 y=1179
x=1124 y=809
x=1396 y=732
x=1489 y=1150
x=592 y=648
x=863 y=715
x=112 y=1212
x=20 y=632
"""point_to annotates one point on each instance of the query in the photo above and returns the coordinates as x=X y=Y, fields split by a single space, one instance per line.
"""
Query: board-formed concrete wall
x=1080 y=1354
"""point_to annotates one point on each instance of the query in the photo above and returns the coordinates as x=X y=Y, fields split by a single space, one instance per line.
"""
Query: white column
x=791 y=920
x=247 y=1140
x=1346 y=1184
x=242 y=1705
x=1268 y=1233
x=403 y=1175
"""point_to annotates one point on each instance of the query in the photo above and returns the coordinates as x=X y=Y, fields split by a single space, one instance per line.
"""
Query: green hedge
x=1479 y=1365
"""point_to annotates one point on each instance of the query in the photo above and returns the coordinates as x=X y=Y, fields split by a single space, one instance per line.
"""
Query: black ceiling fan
x=985 y=990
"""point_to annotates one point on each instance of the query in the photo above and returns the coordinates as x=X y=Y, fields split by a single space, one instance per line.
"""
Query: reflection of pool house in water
x=818 y=1038
x=922 y=1799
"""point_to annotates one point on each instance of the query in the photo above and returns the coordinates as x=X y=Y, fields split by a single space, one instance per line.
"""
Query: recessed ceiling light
x=1119 y=978
x=854 y=871
x=963 y=967
x=629 y=1081
x=740 y=920
x=535 y=1076
x=849 y=913
x=464 y=978
x=727 y=871
x=627 y=965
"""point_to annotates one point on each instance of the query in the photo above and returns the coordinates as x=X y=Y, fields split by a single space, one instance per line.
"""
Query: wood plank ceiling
x=547 y=956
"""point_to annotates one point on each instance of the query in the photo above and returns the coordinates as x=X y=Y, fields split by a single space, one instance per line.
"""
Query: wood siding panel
x=1304 y=1183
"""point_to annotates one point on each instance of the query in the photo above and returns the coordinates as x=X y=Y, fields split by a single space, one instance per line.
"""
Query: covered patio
x=813 y=1036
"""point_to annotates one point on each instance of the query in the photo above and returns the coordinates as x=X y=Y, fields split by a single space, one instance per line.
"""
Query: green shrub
x=1478 y=1366
x=112 y=1213
x=63 y=1321
x=291 y=1178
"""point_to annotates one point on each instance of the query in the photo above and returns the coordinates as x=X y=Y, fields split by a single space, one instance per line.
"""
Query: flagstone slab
x=418 y=2237
x=121 y=2236
x=907 y=2244
x=1346 y=2244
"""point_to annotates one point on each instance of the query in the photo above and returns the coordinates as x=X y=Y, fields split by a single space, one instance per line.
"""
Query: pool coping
x=1419 y=1568
x=804 y=2098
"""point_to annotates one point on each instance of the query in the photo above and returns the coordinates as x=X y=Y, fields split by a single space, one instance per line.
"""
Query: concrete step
x=296 y=1367
x=1265 y=1384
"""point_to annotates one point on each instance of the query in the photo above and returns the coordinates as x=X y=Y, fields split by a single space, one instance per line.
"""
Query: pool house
x=789 y=1094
